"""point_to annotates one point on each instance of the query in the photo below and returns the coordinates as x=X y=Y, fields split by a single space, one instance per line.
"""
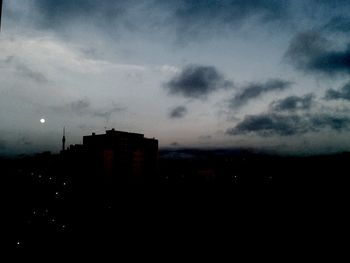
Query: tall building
x=119 y=156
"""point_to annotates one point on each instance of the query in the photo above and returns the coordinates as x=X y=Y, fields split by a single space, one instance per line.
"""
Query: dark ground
x=47 y=204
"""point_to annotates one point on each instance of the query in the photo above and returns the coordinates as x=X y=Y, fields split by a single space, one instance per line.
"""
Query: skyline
x=260 y=74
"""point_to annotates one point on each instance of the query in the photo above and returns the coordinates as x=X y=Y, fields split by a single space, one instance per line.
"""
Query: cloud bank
x=273 y=124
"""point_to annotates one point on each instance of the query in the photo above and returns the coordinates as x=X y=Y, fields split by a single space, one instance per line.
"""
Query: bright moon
x=42 y=121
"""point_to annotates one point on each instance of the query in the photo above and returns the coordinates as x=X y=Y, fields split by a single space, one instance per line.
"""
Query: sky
x=264 y=74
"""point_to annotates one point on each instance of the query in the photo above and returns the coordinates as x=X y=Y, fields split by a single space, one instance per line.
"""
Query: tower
x=64 y=139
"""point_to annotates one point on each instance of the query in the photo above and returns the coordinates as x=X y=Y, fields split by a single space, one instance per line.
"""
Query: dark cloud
x=205 y=137
x=343 y=93
x=268 y=124
x=29 y=73
x=336 y=123
x=305 y=46
x=332 y=62
x=330 y=4
x=197 y=82
x=272 y=124
x=293 y=103
x=108 y=112
x=178 y=112
x=230 y=10
x=193 y=16
x=80 y=106
x=255 y=90
x=53 y=13
x=338 y=24
x=84 y=107
x=24 y=70
x=223 y=11
x=189 y=19
x=311 y=52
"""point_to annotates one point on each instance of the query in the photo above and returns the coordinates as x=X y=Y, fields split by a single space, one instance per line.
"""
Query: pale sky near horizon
x=268 y=74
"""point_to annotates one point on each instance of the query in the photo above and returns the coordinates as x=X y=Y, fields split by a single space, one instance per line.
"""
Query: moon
x=42 y=121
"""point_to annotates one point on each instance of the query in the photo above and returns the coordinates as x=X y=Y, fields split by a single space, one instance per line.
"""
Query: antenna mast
x=64 y=139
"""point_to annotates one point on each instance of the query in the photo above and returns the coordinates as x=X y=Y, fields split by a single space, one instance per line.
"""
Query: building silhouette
x=116 y=156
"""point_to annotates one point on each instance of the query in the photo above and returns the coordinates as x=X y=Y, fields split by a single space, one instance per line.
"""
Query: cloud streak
x=338 y=24
x=83 y=107
x=341 y=94
x=256 y=90
x=24 y=70
x=293 y=103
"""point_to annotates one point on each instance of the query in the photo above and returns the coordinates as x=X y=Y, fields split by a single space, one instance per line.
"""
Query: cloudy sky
x=271 y=74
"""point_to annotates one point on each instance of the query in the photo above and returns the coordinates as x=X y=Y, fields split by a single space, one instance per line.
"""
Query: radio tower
x=64 y=139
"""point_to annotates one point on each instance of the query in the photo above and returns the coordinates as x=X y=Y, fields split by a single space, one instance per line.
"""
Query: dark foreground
x=49 y=204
